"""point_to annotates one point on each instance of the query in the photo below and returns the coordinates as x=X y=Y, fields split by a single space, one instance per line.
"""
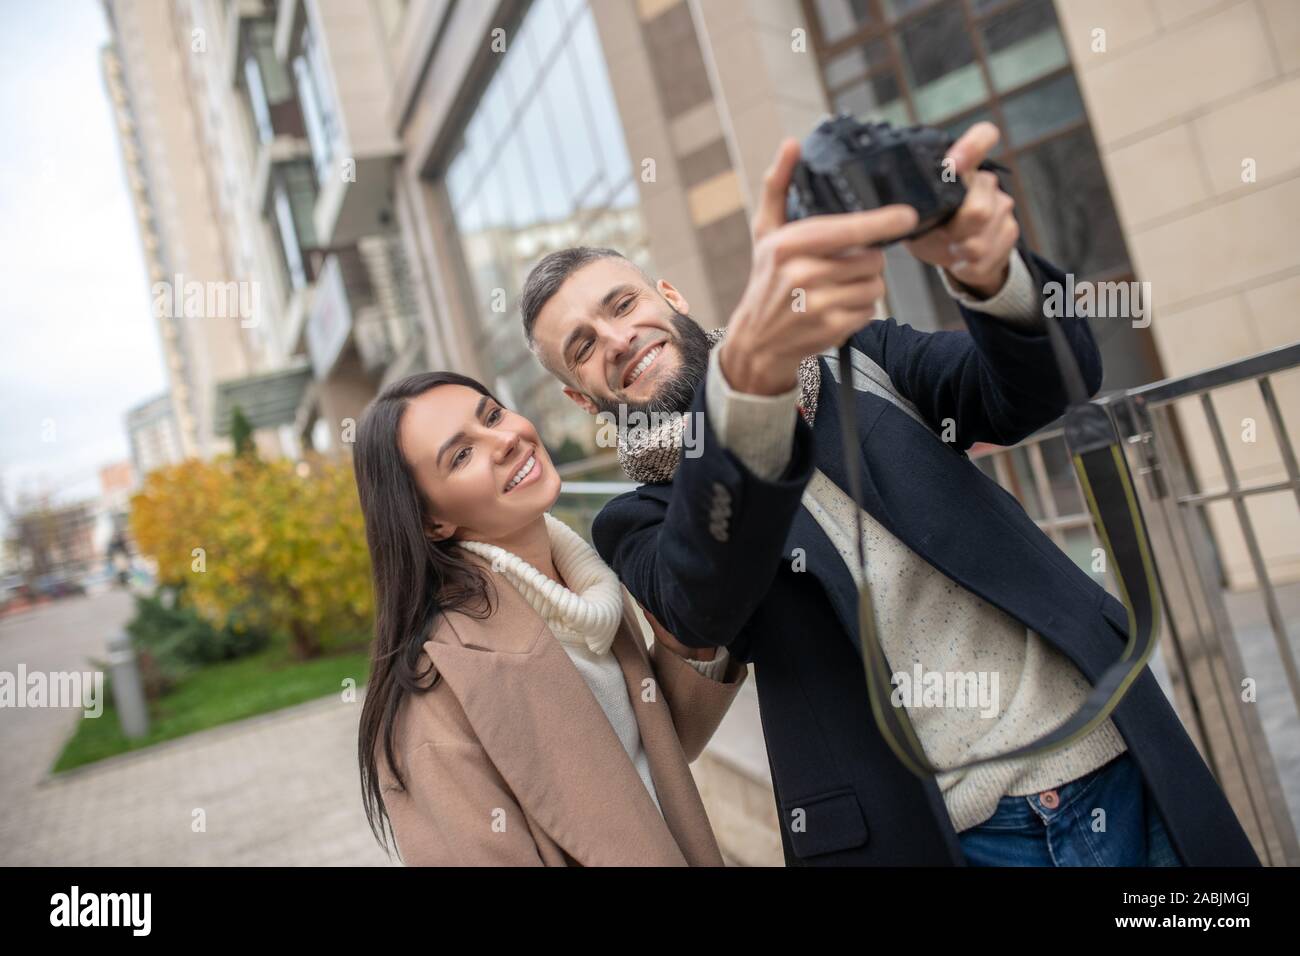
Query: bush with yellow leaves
x=272 y=546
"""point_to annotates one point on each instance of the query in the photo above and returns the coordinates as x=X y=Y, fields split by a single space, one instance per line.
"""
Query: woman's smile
x=529 y=470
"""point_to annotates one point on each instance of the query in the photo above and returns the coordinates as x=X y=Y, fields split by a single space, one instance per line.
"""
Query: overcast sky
x=78 y=345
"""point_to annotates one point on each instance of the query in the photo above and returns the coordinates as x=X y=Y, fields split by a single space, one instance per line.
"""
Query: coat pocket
x=824 y=823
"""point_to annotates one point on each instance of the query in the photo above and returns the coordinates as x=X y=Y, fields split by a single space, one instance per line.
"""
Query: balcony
x=363 y=296
x=345 y=114
x=272 y=112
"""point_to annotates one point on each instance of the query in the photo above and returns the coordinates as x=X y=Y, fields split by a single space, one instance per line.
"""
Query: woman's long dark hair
x=415 y=579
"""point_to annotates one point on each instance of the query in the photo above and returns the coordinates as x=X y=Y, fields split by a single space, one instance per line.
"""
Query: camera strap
x=1103 y=474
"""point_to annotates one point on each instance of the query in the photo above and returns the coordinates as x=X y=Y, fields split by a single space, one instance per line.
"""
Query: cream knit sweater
x=585 y=622
x=926 y=618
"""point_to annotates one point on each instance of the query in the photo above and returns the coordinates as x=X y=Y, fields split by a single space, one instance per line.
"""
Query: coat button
x=1050 y=799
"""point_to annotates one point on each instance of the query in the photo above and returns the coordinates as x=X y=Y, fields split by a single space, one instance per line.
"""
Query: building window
x=269 y=98
x=953 y=63
x=264 y=76
x=293 y=196
x=257 y=100
x=319 y=113
x=541 y=164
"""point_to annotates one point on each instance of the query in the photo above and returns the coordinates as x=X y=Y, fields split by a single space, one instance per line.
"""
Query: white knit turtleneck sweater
x=585 y=620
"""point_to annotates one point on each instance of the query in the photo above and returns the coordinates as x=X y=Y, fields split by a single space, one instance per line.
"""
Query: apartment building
x=167 y=171
x=152 y=435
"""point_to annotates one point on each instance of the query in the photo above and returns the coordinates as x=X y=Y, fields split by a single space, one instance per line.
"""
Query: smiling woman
x=506 y=650
x=482 y=468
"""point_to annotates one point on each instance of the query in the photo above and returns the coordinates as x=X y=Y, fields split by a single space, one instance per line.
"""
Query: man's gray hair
x=550 y=273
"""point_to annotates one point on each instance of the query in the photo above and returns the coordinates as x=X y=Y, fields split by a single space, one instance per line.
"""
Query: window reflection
x=516 y=180
x=572 y=135
x=293 y=199
x=257 y=100
x=839 y=18
x=543 y=30
x=318 y=110
x=599 y=103
x=897 y=8
x=873 y=99
x=1042 y=110
x=264 y=77
x=939 y=61
x=855 y=63
x=542 y=165
x=551 y=195
x=1024 y=44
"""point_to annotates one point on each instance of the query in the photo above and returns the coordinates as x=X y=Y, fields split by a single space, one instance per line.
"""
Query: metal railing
x=1242 y=714
x=1202 y=657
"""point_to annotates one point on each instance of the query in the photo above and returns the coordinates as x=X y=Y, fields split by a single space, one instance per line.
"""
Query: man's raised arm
x=702 y=561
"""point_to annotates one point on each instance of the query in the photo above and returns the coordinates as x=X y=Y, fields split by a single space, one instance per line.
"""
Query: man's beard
x=677 y=394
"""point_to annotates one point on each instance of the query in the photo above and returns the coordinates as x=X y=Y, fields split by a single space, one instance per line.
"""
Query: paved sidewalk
x=281 y=789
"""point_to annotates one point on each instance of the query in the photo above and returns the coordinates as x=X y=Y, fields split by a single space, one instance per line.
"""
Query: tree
x=276 y=546
x=241 y=433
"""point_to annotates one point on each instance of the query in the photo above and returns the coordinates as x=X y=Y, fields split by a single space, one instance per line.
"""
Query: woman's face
x=467 y=454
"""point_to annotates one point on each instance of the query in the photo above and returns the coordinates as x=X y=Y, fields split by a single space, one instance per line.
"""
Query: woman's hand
x=677 y=647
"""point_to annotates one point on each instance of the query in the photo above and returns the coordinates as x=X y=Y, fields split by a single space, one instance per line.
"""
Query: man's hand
x=974 y=246
x=812 y=283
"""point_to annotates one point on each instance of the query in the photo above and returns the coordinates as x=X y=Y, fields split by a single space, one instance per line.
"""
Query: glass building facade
x=540 y=165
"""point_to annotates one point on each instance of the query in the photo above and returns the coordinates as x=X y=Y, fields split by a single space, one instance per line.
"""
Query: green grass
x=217 y=694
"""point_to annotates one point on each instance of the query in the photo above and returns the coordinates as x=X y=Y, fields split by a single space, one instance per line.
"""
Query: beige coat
x=510 y=760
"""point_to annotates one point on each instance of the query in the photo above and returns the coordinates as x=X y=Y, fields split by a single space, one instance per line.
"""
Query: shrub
x=269 y=547
x=171 y=641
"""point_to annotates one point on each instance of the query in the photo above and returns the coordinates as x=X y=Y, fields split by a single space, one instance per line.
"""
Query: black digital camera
x=848 y=166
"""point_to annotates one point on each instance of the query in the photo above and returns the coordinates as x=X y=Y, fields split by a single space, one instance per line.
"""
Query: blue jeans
x=1061 y=827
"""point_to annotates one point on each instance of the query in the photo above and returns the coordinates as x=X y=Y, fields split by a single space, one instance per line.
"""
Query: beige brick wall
x=1183 y=94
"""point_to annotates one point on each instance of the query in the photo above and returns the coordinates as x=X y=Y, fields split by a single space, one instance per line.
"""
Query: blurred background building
x=168 y=173
x=383 y=174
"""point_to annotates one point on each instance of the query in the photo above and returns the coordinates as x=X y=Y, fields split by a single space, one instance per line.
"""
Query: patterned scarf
x=651 y=454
